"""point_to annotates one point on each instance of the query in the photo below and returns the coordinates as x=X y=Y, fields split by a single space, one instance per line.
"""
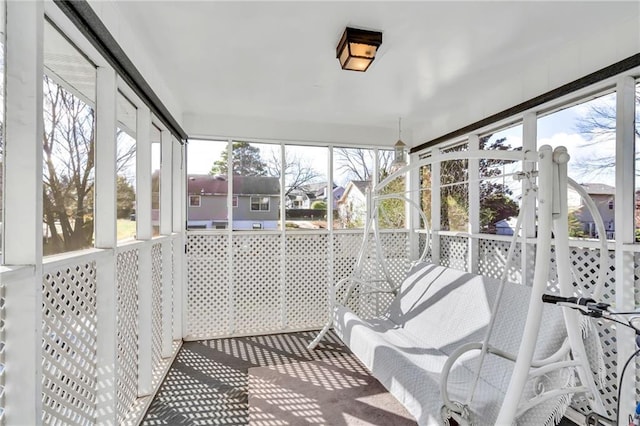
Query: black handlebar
x=582 y=301
x=585 y=305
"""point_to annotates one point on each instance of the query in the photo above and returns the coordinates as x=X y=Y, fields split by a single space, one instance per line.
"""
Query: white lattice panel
x=345 y=255
x=307 y=275
x=69 y=345
x=257 y=283
x=127 y=338
x=585 y=264
x=156 y=305
x=396 y=252
x=454 y=252
x=492 y=259
x=208 y=291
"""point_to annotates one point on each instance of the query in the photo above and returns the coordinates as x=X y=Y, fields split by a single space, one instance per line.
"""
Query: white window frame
x=260 y=204
x=199 y=200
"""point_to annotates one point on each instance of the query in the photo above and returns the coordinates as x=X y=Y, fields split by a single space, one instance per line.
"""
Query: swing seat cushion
x=438 y=310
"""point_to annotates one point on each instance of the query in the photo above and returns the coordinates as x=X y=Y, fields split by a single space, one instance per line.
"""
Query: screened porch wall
x=249 y=283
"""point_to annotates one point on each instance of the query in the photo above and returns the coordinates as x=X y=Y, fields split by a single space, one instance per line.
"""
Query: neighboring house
x=352 y=205
x=604 y=197
x=505 y=226
x=298 y=199
x=256 y=202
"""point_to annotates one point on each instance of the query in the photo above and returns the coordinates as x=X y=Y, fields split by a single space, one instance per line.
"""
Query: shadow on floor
x=212 y=382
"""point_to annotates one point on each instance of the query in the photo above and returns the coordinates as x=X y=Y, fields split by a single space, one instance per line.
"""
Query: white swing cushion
x=438 y=310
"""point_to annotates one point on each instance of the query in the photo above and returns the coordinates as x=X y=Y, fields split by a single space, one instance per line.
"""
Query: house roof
x=242 y=185
x=598 y=189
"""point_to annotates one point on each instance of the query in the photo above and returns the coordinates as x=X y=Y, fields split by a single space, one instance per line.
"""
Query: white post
x=530 y=333
x=624 y=231
x=529 y=143
x=143 y=173
x=474 y=205
x=166 y=214
x=144 y=232
x=166 y=183
x=411 y=215
x=283 y=242
x=105 y=231
x=167 y=300
x=23 y=215
x=435 y=210
x=178 y=227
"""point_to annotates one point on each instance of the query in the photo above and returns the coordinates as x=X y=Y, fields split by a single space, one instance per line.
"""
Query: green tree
x=575 y=226
x=319 y=205
x=496 y=203
x=246 y=161
x=126 y=199
x=495 y=197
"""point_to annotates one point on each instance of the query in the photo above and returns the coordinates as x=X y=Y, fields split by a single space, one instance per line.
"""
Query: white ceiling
x=276 y=60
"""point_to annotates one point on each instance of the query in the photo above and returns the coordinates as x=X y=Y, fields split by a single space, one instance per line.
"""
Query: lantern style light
x=357 y=48
x=399 y=150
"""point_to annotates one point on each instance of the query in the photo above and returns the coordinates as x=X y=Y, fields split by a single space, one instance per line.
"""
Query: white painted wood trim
x=166 y=183
x=624 y=224
x=474 y=204
x=435 y=212
x=145 y=301
x=23 y=215
x=143 y=173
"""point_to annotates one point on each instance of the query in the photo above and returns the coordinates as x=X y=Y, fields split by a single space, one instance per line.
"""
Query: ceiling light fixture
x=357 y=48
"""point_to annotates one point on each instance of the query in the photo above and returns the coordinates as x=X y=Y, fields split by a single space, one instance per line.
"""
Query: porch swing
x=452 y=345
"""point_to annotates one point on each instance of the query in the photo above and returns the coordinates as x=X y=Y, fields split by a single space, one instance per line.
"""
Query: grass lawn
x=126 y=229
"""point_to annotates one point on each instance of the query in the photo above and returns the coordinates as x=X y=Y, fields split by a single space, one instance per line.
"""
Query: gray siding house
x=256 y=202
x=604 y=197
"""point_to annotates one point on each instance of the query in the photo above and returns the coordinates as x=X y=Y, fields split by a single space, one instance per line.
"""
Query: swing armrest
x=444 y=376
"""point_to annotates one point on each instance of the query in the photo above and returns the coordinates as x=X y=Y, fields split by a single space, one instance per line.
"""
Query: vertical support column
x=411 y=215
x=330 y=248
x=624 y=226
x=143 y=173
x=23 y=215
x=105 y=231
x=167 y=301
x=435 y=209
x=166 y=183
x=144 y=232
x=283 y=239
x=529 y=143
x=231 y=189
x=178 y=227
x=166 y=225
x=474 y=204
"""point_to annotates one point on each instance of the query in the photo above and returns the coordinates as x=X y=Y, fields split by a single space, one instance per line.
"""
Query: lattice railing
x=273 y=282
x=208 y=286
x=492 y=259
x=454 y=252
x=257 y=292
x=69 y=344
x=156 y=304
x=307 y=277
x=127 y=334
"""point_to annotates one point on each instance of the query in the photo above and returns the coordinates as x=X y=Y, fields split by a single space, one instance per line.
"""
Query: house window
x=234 y=202
x=194 y=201
x=610 y=204
x=260 y=204
x=256 y=226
